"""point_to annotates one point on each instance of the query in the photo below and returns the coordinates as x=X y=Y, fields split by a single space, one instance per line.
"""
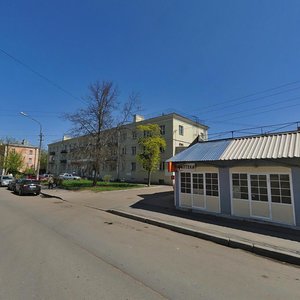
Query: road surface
x=52 y=249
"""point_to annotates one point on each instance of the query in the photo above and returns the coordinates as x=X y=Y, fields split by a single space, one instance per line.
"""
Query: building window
x=30 y=152
x=185 y=183
x=147 y=133
x=162 y=129
x=161 y=149
x=112 y=167
x=123 y=136
x=133 y=150
x=30 y=159
x=181 y=130
x=134 y=135
x=133 y=166
x=198 y=184
x=280 y=188
x=181 y=145
x=259 y=190
x=124 y=150
x=240 y=186
x=211 y=184
x=162 y=166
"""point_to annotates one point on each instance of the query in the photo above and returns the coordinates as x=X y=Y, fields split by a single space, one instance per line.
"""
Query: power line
x=255 y=108
x=41 y=75
x=252 y=100
x=261 y=128
x=262 y=112
x=251 y=95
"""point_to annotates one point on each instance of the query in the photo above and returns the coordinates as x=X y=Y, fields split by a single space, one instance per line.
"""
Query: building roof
x=272 y=146
x=282 y=145
x=203 y=151
x=172 y=115
x=18 y=146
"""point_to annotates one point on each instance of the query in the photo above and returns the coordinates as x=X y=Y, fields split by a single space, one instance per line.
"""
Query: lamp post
x=40 y=144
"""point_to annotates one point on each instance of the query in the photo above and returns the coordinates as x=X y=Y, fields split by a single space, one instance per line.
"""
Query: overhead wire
x=50 y=81
x=262 y=129
x=251 y=95
x=255 y=108
x=253 y=100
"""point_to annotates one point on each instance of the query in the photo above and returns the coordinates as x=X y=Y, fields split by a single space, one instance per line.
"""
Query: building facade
x=122 y=164
x=30 y=155
x=251 y=177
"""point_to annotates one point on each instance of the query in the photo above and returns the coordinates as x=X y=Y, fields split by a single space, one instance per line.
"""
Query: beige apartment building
x=30 y=155
x=178 y=131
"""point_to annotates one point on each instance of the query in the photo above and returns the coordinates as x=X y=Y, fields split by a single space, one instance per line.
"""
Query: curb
x=276 y=254
x=51 y=196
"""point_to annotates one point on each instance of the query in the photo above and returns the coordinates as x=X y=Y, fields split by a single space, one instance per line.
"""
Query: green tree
x=30 y=171
x=151 y=145
x=13 y=162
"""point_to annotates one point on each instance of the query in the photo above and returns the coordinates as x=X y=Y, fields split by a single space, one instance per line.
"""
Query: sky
x=231 y=65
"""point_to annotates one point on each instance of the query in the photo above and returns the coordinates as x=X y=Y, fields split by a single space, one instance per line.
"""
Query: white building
x=177 y=130
x=250 y=177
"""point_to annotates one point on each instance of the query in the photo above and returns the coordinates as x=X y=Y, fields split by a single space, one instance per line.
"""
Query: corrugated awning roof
x=283 y=145
x=275 y=146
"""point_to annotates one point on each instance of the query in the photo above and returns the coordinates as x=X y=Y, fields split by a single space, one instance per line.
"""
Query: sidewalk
x=155 y=206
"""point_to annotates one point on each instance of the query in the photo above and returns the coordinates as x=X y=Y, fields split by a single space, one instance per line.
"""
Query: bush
x=58 y=181
x=107 y=178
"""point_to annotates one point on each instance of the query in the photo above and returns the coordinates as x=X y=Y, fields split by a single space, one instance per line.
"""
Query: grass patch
x=85 y=184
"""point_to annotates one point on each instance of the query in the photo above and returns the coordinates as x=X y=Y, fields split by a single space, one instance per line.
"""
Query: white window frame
x=181 y=132
x=269 y=193
x=204 y=190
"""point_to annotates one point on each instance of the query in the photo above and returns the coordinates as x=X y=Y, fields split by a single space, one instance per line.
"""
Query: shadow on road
x=164 y=203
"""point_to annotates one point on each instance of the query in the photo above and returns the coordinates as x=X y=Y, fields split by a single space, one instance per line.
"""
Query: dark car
x=11 y=185
x=27 y=186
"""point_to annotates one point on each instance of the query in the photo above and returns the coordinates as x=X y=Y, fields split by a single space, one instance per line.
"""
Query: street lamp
x=40 y=145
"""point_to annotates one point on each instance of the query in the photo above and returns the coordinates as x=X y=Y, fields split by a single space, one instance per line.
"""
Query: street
x=53 y=249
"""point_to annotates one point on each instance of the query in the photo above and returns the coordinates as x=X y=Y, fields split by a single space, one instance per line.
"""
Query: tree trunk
x=149 y=178
x=94 y=179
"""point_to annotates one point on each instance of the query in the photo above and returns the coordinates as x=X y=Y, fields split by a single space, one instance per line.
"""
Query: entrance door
x=260 y=201
x=198 y=191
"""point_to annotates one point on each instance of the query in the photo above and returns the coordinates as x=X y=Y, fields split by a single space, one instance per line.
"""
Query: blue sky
x=192 y=57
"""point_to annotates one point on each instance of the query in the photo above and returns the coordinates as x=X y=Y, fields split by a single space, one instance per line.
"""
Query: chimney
x=138 y=118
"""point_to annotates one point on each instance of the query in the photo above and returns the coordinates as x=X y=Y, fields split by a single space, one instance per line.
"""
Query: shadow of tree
x=164 y=203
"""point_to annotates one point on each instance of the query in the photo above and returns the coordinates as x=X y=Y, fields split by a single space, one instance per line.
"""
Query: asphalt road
x=51 y=249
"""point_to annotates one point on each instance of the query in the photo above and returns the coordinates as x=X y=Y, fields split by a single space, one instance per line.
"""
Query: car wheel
x=20 y=192
x=37 y=193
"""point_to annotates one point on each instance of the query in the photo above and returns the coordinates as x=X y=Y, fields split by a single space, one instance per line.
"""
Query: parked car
x=45 y=177
x=27 y=186
x=5 y=180
x=69 y=176
x=12 y=184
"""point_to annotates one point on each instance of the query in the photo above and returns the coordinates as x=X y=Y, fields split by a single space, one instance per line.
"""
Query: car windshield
x=7 y=177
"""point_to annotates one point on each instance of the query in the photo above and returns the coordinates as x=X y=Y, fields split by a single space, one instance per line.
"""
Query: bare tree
x=100 y=121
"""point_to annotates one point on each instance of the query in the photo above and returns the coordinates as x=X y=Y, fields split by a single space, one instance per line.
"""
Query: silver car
x=67 y=176
x=5 y=180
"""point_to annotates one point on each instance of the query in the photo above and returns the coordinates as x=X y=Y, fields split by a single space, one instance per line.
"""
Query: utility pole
x=40 y=143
